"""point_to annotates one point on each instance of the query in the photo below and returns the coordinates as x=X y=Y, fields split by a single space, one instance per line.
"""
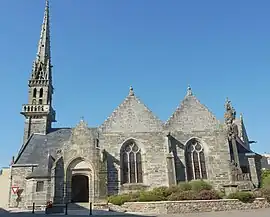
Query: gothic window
x=41 y=93
x=35 y=93
x=131 y=161
x=40 y=186
x=195 y=161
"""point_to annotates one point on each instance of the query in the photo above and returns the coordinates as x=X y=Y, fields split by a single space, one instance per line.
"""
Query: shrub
x=266 y=193
x=266 y=182
x=221 y=194
x=173 y=189
x=121 y=199
x=245 y=197
x=199 y=185
x=208 y=195
x=163 y=192
x=146 y=196
x=182 y=195
x=265 y=173
x=184 y=186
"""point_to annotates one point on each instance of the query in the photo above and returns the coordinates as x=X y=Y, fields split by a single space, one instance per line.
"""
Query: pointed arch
x=195 y=160
x=131 y=163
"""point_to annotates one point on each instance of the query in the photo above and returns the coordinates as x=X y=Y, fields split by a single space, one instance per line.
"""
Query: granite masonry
x=131 y=150
x=194 y=206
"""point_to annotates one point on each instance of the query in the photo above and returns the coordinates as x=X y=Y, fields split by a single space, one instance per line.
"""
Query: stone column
x=252 y=167
x=171 y=169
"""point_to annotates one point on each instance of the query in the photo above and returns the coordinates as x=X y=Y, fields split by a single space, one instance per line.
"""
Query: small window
x=35 y=93
x=40 y=101
x=40 y=186
x=97 y=143
x=41 y=92
x=268 y=161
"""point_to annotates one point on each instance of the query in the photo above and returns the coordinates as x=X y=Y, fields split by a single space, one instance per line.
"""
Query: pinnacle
x=131 y=91
x=189 y=91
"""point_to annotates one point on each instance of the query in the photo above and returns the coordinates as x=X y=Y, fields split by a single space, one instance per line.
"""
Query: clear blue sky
x=101 y=47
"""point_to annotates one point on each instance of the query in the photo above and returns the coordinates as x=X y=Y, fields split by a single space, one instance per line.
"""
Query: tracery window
x=195 y=161
x=131 y=161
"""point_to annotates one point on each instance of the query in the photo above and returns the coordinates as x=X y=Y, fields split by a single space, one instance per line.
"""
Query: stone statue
x=230 y=112
x=229 y=117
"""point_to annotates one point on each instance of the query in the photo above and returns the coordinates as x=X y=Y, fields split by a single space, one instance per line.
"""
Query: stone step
x=86 y=206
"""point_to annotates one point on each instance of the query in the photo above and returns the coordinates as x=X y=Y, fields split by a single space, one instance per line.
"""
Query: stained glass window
x=131 y=163
x=195 y=161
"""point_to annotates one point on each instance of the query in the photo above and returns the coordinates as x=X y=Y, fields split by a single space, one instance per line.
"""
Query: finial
x=47 y=3
x=131 y=92
x=241 y=116
x=189 y=91
x=82 y=119
x=12 y=160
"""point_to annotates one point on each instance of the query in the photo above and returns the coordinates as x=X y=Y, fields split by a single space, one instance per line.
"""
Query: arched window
x=195 y=161
x=35 y=93
x=41 y=92
x=131 y=162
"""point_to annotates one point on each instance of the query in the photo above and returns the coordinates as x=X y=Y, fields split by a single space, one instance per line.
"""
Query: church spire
x=42 y=65
x=39 y=113
x=44 y=53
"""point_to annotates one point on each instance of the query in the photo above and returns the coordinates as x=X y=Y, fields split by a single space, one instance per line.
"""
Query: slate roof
x=36 y=150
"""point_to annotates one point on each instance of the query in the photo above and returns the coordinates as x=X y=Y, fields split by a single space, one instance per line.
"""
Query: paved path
x=246 y=213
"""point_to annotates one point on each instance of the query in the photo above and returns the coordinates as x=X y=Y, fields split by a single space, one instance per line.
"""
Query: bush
x=266 y=182
x=199 y=185
x=182 y=195
x=173 y=189
x=119 y=199
x=266 y=193
x=245 y=197
x=221 y=194
x=163 y=192
x=184 y=186
x=265 y=173
x=146 y=196
x=208 y=195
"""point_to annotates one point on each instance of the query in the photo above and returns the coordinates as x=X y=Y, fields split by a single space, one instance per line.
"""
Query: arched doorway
x=79 y=188
x=79 y=181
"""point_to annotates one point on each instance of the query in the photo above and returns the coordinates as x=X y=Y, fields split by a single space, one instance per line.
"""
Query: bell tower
x=38 y=112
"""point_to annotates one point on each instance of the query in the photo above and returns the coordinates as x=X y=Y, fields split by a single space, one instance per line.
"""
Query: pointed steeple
x=42 y=64
x=39 y=113
x=44 y=53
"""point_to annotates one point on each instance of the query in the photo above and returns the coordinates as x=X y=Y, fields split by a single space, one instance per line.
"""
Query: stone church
x=131 y=150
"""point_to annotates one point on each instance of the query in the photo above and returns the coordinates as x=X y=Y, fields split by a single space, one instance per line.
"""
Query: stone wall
x=34 y=126
x=18 y=179
x=194 y=206
x=153 y=148
x=216 y=152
